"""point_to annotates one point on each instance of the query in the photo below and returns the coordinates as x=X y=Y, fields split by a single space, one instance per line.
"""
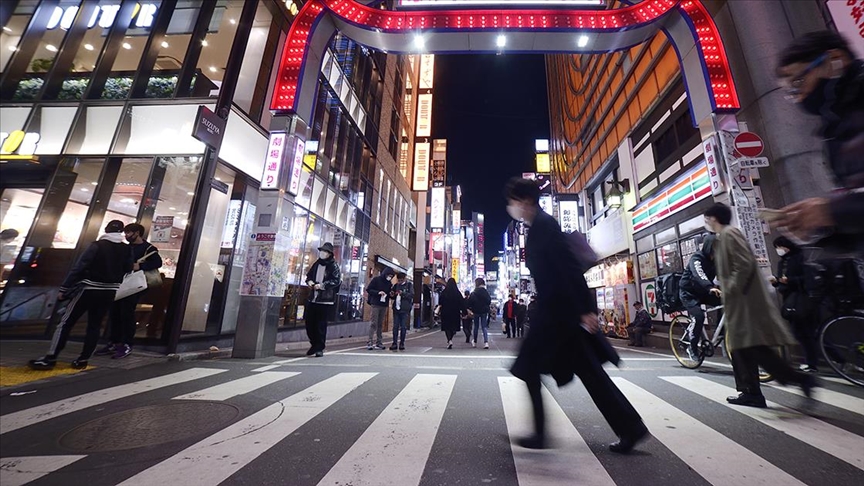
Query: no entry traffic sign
x=749 y=144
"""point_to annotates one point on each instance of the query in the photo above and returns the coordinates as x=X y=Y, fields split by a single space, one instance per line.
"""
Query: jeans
x=378 y=315
x=400 y=326
x=481 y=321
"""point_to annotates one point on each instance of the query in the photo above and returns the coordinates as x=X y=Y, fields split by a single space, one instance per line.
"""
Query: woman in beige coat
x=753 y=323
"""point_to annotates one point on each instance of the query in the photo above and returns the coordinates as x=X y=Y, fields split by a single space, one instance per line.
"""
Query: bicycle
x=679 y=341
x=842 y=343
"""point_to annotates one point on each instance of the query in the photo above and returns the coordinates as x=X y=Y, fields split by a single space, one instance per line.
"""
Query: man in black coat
x=821 y=74
x=402 y=295
x=324 y=279
x=378 y=296
x=563 y=339
x=697 y=288
x=797 y=306
x=508 y=314
x=478 y=303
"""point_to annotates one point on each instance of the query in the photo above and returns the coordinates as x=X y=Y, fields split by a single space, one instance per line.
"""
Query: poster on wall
x=649 y=299
x=161 y=230
x=256 y=272
x=601 y=299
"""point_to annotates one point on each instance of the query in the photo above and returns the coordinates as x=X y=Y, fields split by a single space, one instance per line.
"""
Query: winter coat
x=506 y=308
x=557 y=344
x=698 y=278
x=750 y=312
x=406 y=291
x=452 y=306
x=479 y=301
x=379 y=284
x=521 y=312
x=793 y=292
x=102 y=265
x=642 y=320
x=332 y=281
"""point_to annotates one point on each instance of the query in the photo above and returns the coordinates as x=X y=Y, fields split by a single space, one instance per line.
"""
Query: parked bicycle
x=842 y=343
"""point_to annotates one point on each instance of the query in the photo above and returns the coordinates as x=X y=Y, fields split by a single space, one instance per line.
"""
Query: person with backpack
x=697 y=288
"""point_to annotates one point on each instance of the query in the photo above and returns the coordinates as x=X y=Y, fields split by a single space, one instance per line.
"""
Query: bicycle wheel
x=842 y=343
x=679 y=341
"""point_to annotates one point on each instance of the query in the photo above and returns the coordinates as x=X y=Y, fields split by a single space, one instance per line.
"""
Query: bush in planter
x=116 y=88
x=161 y=87
x=28 y=89
x=73 y=89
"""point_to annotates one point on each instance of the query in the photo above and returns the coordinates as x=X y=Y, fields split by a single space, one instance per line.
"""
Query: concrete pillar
x=263 y=285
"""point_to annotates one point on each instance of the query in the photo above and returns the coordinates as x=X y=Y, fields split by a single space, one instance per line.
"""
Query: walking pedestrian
x=467 y=320
x=753 y=323
x=324 y=279
x=521 y=315
x=798 y=308
x=478 y=304
x=402 y=295
x=640 y=327
x=378 y=296
x=509 y=315
x=89 y=287
x=122 y=315
x=452 y=308
x=557 y=344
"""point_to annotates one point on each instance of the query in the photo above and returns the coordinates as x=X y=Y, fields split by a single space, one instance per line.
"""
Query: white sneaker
x=485 y=345
x=473 y=344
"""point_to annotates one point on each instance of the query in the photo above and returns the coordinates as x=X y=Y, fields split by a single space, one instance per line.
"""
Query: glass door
x=18 y=209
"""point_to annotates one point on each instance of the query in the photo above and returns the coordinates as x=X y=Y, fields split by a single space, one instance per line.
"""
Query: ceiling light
x=84 y=189
x=89 y=47
x=501 y=41
x=127 y=45
x=164 y=44
x=13 y=48
x=172 y=209
x=213 y=69
x=51 y=48
x=190 y=193
x=583 y=40
x=204 y=43
x=232 y=21
x=419 y=41
x=7 y=29
x=94 y=183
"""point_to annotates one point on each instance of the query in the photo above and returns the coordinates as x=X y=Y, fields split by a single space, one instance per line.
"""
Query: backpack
x=668 y=299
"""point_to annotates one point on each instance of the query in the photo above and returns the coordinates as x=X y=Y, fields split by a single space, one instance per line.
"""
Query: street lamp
x=615 y=196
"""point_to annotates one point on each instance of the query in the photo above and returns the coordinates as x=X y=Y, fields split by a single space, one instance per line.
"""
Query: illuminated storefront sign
x=686 y=191
x=296 y=168
x=424 y=115
x=427 y=71
x=273 y=162
x=437 y=208
x=543 y=164
x=421 y=167
x=104 y=15
x=18 y=145
x=568 y=216
x=457 y=220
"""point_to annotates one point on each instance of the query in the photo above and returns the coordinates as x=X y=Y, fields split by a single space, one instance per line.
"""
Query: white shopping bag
x=132 y=284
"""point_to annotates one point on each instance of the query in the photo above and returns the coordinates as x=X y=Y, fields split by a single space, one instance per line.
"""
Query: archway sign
x=542 y=26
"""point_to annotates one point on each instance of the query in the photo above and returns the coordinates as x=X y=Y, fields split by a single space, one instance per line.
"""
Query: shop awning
x=387 y=263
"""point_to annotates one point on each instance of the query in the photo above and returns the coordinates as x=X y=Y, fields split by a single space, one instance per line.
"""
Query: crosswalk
x=687 y=416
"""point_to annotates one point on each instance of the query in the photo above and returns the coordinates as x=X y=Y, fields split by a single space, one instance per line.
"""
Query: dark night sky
x=490 y=109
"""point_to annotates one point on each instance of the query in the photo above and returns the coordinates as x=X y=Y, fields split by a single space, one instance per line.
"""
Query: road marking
x=30 y=416
x=17 y=471
x=842 y=381
x=830 y=397
x=238 y=387
x=717 y=458
x=823 y=436
x=395 y=448
x=554 y=466
x=485 y=355
x=267 y=368
x=284 y=361
x=217 y=457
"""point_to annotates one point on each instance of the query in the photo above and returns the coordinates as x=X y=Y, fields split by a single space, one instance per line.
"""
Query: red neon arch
x=721 y=89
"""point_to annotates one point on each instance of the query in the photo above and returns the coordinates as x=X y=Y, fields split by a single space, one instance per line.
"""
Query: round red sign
x=749 y=144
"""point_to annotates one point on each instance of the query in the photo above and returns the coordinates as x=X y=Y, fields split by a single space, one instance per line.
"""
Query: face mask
x=515 y=212
x=782 y=252
x=323 y=255
x=708 y=228
x=131 y=238
x=389 y=279
x=814 y=101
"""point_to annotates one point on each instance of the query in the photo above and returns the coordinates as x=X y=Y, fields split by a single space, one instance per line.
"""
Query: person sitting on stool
x=640 y=326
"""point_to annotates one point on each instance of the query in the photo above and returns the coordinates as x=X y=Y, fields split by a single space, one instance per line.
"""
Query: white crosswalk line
x=17 y=471
x=217 y=457
x=238 y=387
x=395 y=448
x=821 y=435
x=717 y=458
x=830 y=397
x=557 y=465
x=30 y=416
x=268 y=368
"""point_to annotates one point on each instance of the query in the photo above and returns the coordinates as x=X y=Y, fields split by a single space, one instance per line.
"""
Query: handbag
x=139 y=280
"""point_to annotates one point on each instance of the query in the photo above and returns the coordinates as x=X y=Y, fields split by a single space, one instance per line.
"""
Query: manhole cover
x=147 y=426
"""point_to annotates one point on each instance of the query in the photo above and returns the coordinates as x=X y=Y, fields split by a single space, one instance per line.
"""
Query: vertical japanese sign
x=439 y=162
x=296 y=168
x=424 y=115
x=437 y=209
x=715 y=171
x=568 y=215
x=848 y=16
x=421 y=167
x=480 y=240
x=273 y=161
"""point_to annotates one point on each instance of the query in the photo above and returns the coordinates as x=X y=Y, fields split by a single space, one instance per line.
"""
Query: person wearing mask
x=324 y=279
x=697 y=288
x=797 y=306
x=564 y=335
x=122 y=315
x=753 y=323
x=89 y=287
x=378 y=295
x=509 y=315
x=478 y=305
x=521 y=314
x=452 y=308
x=467 y=321
x=402 y=295
x=821 y=75
x=640 y=326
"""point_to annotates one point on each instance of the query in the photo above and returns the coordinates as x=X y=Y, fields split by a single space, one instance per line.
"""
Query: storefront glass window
x=172 y=208
x=168 y=127
x=304 y=194
x=53 y=31
x=94 y=130
x=688 y=248
x=172 y=51
x=647 y=266
x=128 y=191
x=72 y=219
x=89 y=50
x=132 y=49
x=253 y=57
x=13 y=118
x=10 y=36
x=17 y=211
x=319 y=197
x=52 y=123
x=669 y=259
x=217 y=45
x=241 y=246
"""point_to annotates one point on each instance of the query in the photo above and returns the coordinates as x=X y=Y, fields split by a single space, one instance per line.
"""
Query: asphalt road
x=424 y=416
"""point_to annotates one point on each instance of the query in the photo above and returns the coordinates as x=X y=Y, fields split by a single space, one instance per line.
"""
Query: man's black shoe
x=626 y=444
x=42 y=364
x=393 y=347
x=319 y=354
x=808 y=384
x=748 y=400
x=310 y=352
x=532 y=442
x=79 y=364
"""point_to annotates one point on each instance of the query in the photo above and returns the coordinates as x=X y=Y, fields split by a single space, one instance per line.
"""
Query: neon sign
x=105 y=15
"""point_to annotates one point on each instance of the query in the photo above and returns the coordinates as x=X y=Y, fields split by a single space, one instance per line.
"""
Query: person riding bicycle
x=697 y=288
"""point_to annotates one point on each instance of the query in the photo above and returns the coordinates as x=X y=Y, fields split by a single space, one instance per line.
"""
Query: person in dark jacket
x=821 y=74
x=797 y=307
x=453 y=306
x=122 y=316
x=697 y=288
x=478 y=303
x=89 y=287
x=640 y=326
x=521 y=315
x=378 y=296
x=564 y=338
x=324 y=279
x=508 y=315
x=402 y=295
x=467 y=320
